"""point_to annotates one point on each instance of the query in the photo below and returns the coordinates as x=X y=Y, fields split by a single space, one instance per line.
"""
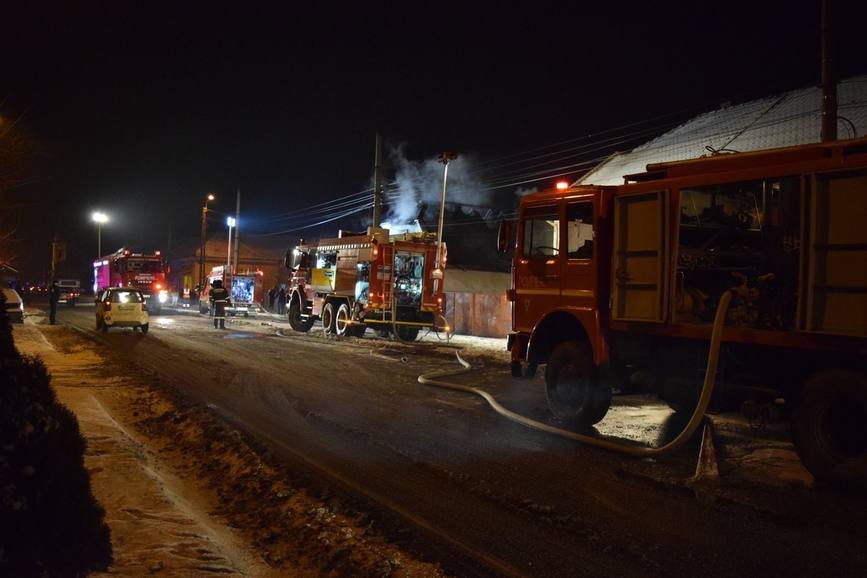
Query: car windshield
x=126 y=297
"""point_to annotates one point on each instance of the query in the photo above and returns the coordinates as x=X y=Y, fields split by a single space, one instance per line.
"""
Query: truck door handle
x=622 y=276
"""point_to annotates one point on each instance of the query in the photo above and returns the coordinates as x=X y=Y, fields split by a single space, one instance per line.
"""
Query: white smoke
x=521 y=191
x=420 y=182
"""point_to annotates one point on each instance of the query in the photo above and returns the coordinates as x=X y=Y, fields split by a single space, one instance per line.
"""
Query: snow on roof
x=788 y=119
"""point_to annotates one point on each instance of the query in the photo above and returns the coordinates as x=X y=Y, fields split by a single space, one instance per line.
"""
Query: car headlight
x=164 y=295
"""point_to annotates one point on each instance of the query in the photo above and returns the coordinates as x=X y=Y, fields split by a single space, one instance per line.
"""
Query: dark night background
x=141 y=108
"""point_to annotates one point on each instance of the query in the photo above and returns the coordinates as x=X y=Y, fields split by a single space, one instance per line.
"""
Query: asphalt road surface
x=465 y=487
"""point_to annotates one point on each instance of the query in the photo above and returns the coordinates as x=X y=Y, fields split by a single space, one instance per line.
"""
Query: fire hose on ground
x=434 y=378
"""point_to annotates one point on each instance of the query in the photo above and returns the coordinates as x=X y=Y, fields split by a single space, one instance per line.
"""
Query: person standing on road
x=272 y=296
x=219 y=297
x=281 y=301
x=53 y=298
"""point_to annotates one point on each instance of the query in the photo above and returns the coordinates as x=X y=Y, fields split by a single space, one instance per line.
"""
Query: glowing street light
x=230 y=221
x=99 y=218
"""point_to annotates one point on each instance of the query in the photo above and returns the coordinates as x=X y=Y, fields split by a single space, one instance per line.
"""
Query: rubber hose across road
x=433 y=378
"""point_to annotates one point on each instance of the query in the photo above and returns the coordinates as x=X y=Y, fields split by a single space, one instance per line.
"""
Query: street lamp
x=208 y=199
x=99 y=218
x=231 y=222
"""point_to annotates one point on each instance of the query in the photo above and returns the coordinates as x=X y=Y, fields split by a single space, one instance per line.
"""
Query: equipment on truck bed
x=245 y=290
x=367 y=280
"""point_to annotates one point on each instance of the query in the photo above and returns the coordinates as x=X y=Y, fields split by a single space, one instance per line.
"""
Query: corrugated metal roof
x=788 y=119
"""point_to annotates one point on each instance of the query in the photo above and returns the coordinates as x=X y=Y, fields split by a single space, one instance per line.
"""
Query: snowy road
x=446 y=477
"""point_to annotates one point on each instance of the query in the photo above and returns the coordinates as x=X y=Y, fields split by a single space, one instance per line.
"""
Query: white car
x=121 y=307
x=14 y=305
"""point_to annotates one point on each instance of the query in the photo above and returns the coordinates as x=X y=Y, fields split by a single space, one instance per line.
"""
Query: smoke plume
x=417 y=186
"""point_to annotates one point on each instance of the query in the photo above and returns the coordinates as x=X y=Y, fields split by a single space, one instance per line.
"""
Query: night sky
x=141 y=108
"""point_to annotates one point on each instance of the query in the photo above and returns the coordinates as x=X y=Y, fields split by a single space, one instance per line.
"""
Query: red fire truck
x=125 y=268
x=389 y=283
x=627 y=278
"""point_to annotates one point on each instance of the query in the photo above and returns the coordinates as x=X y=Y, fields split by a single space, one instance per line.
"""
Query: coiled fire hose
x=433 y=378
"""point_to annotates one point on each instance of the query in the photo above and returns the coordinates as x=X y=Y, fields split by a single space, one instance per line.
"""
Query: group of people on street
x=277 y=299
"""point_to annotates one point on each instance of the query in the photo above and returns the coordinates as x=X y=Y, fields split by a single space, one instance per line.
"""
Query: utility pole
x=377 y=183
x=829 y=75
x=237 y=229
x=209 y=198
x=445 y=158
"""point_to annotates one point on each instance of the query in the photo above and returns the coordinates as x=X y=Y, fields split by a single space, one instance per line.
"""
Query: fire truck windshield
x=142 y=266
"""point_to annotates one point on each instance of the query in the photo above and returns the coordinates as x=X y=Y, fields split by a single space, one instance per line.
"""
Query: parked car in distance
x=14 y=305
x=70 y=291
x=121 y=307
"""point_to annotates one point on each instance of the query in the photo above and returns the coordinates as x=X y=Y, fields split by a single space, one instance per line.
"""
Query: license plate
x=127 y=307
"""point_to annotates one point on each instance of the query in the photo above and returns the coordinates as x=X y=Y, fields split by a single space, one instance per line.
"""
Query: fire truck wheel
x=828 y=426
x=342 y=320
x=407 y=332
x=574 y=392
x=328 y=318
x=296 y=322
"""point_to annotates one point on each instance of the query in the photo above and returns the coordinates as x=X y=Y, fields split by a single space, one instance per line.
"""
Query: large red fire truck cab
x=388 y=283
x=627 y=278
x=125 y=268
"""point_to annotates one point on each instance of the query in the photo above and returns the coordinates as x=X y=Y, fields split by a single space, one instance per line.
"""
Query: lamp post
x=209 y=198
x=231 y=222
x=445 y=158
x=99 y=218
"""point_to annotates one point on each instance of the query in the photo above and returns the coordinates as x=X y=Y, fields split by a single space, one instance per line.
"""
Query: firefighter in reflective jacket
x=219 y=301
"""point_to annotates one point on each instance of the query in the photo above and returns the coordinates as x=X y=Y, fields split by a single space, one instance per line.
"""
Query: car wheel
x=572 y=385
x=828 y=426
x=328 y=318
x=144 y=328
x=104 y=326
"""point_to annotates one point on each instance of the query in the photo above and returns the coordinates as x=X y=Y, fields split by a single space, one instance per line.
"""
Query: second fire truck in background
x=389 y=283
x=126 y=268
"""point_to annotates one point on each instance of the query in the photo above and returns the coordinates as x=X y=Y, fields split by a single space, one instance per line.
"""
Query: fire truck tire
x=828 y=426
x=328 y=318
x=144 y=328
x=296 y=322
x=575 y=394
x=342 y=320
x=407 y=332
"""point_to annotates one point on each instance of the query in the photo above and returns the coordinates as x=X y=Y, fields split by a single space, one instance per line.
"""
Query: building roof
x=788 y=119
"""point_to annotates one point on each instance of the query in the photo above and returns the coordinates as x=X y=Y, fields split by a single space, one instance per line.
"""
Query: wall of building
x=476 y=302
